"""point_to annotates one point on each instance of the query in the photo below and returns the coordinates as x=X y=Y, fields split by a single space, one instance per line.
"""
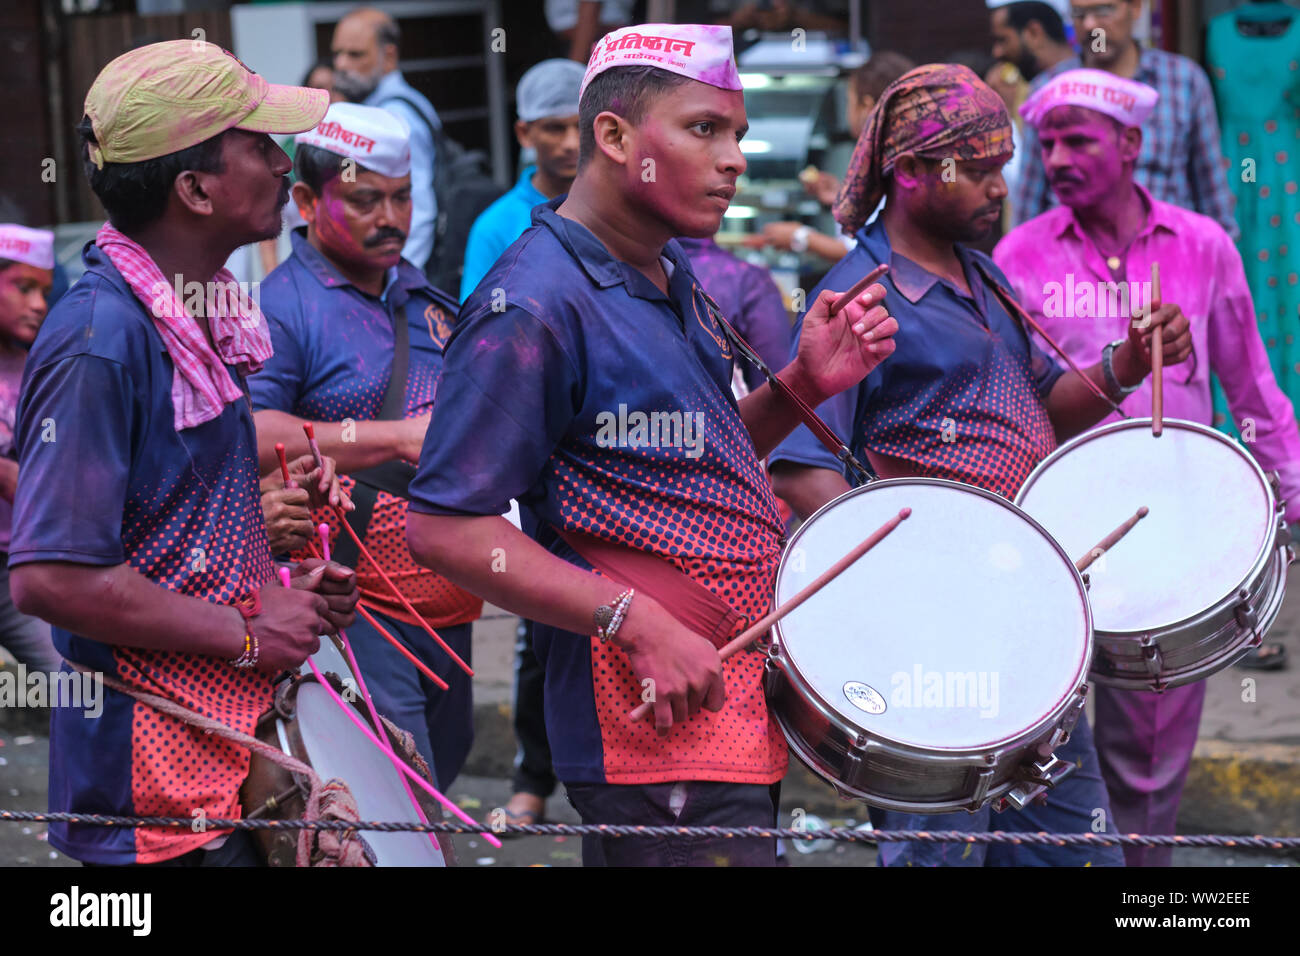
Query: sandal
x=1255 y=661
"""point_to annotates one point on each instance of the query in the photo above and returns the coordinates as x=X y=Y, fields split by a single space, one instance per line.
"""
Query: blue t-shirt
x=605 y=406
x=496 y=227
x=333 y=358
x=961 y=397
x=105 y=478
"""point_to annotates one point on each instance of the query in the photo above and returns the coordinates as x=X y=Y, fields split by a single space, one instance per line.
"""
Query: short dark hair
x=135 y=194
x=872 y=77
x=315 y=166
x=1021 y=14
x=626 y=91
x=6 y=263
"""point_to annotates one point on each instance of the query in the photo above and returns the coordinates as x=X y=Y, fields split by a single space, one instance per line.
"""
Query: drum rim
x=1262 y=558
x=778 y=646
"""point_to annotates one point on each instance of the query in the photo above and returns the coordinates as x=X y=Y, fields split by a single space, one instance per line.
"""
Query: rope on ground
x=841 y=834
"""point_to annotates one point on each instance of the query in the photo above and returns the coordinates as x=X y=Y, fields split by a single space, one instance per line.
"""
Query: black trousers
x=533 y=770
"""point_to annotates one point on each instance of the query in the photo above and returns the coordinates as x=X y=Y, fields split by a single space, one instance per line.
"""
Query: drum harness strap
x=326 y=800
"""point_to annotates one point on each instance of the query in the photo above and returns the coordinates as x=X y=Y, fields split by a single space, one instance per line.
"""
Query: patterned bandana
x=201 y=386
x=937 y=111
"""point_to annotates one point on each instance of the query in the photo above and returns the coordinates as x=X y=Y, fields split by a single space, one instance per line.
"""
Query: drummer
x=966 y=396
x=590 y=321
x=335 y=308
x=137 y=523
x=1070 y=267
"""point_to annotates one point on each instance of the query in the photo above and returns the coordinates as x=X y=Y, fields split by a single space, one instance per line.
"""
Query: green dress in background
x=1256 y=83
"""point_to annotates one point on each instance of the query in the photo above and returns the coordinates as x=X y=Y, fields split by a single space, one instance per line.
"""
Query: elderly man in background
x=365 y=49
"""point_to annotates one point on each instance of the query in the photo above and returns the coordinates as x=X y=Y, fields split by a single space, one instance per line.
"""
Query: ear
x=521 y=134
x=1033 y=33
x=910 y=172
x=305 y=200
x=611 y=131
x=390 y=57
x=189 y=191
x=1130 y=143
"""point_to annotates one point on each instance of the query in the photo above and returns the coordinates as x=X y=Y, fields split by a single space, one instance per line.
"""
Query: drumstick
x=365 y=553
x=754 y=633
x=1108 y=542
x=858 y=287
x=1157 y=359
x=284 y=464
x=365 y=694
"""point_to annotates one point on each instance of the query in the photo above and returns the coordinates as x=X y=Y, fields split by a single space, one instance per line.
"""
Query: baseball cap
x=549 y=88
x=169 y=96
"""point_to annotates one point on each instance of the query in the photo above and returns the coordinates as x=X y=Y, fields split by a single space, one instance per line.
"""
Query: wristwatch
x=1114 y=389
x=799 y=239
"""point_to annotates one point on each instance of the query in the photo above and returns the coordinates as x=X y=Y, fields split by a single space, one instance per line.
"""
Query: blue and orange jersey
x=963 y=394
x=573 y=384
x=333 y=357
x=105 y=479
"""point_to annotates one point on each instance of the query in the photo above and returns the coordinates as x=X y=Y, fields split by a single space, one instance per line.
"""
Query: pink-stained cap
x=377 y=139
x=33 y=247
x=699 y=51
x=1128 y=101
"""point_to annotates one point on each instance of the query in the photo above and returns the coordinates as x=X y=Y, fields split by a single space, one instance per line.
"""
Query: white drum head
x=963 y=628
x=337 y=748
x=1211 y=518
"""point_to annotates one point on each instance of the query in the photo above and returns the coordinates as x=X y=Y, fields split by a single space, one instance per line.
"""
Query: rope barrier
x=840 y=834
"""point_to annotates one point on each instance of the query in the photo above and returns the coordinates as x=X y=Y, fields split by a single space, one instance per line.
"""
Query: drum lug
x=1087 y=581
x=1244 y=613
x=1155 y=663
x=1038 y=779
x=983 y=780
x=1071 y=717
x=771 y=674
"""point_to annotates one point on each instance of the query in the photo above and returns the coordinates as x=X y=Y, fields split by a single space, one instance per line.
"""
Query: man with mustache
x=366 y=55
x=358 y=334
x=967 y=395
x=1109 y=230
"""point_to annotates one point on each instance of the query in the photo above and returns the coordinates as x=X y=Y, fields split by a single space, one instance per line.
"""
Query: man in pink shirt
x=1080 y=269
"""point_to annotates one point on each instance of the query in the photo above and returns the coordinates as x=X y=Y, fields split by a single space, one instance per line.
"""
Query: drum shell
x=912 y=778
x=271 y=792
x=1197 y=646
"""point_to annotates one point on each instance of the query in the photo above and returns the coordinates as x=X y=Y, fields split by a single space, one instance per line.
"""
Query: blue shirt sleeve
x=77 y=422
x=508 y=394
x=485 y=245
x=279 y=383
x=801 y=446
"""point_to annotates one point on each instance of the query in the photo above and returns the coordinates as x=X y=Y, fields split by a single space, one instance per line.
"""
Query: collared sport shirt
x=605 y=406
x=961 y=397
x=1181 y=160
x=333 y=358
x=105 y=479
x=750 y=300
x=1062 y=280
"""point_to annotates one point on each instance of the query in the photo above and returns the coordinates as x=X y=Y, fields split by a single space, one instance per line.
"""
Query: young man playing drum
x=1070 y=267
x=347 y=314
x=967 y=395
x=588 y=325
x=138 y=531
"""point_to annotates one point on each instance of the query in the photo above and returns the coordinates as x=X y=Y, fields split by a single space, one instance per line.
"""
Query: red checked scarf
x=201 y=387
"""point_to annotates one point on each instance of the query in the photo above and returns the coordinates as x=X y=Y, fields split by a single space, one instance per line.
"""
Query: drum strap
x=805 y=411
x=1015 y=309
x=691 y=603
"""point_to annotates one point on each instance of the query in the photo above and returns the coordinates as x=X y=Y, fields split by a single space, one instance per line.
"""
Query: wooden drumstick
x=758 y=630
x=284 y=465
x=858 y=288
x=1157 y=359
x=1108 y=542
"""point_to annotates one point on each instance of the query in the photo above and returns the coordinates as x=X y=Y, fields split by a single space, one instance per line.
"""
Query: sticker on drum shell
x=864 y=697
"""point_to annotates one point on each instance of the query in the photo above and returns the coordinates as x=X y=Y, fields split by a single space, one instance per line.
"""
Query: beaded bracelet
x=249 y=606
x=621 y=604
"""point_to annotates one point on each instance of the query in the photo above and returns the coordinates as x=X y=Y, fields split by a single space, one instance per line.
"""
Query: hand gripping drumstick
x=1111 y=539
x=758 y=630
x=284 y=464
x=858 y=288
x=1157 y=359
x=366 y=555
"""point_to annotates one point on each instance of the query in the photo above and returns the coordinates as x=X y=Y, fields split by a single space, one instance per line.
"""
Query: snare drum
x=942 y=670
x=1199 y=580
x=305 y=722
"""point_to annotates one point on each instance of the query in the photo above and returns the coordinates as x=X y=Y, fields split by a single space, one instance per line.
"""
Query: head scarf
x=937 y=111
